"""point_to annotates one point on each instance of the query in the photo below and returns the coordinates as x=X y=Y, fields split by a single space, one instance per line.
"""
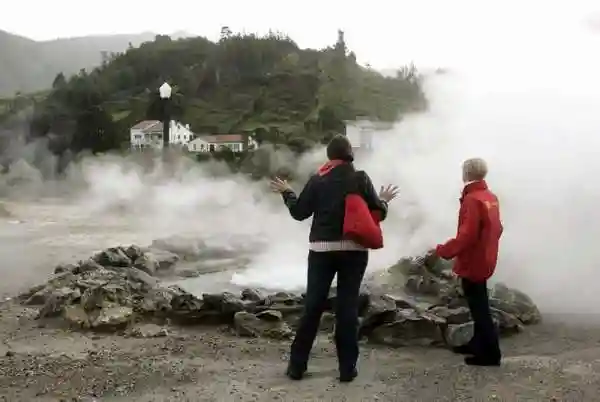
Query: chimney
x=187 y=126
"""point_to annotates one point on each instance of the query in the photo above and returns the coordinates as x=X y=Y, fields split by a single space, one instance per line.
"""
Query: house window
x=194 y=147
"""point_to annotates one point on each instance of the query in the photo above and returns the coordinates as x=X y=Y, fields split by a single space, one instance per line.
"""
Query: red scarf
x=328 y=166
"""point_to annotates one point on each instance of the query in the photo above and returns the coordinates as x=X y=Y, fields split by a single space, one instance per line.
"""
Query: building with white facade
x=212 y=143
x=149 y=134
x=361 y=132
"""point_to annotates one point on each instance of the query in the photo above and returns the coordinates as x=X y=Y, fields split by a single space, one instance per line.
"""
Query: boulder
x=459 y=334
x=514 y=302
x=409 y=329
x=113 y=257
x=433 y=278
x=147 y=331
x=250 y=325
x=112 y=318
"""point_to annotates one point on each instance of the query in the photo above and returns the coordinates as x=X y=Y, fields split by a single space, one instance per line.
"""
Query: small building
x=212 y=143
x=149 y=134
x=361 y=132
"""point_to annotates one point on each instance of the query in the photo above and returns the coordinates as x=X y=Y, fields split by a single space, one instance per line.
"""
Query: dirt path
x=49 y=364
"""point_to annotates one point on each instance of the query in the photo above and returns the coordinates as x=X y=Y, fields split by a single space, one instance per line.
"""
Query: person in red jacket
x=475 y=253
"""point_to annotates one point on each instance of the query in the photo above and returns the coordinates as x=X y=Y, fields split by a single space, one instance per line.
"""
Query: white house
x=211 y=143
x=360 y=133
x=149 y=134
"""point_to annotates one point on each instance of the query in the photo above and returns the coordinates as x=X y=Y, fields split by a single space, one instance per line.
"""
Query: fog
x=529 y=106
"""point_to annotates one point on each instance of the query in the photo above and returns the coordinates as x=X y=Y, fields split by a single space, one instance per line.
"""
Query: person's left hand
x=279 y=185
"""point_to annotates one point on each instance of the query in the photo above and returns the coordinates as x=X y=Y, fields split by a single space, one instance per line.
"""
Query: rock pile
x=116 y=290
x=432 y=281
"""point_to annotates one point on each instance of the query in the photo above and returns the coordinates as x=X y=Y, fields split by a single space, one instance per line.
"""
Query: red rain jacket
x=475 y=247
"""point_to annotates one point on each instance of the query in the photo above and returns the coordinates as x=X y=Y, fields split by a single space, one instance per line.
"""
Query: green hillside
x=267 y=86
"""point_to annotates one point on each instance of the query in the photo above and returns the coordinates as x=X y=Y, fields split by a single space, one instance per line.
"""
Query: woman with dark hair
x=323 y=198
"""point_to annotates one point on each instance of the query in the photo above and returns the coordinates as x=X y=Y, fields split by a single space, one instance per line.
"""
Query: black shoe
x=294 y=373
x=482 y=361
x=463 y=350
x=348 y=376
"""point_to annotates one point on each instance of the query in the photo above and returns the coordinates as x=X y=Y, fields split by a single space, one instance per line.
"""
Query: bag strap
x=356 y=183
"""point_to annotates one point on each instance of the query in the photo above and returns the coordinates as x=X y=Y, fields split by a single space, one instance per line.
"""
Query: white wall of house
x=360 y=133
x=179 y=134
x=198 y=145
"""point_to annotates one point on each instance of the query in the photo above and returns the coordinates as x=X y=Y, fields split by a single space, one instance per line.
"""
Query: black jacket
x=323 y=197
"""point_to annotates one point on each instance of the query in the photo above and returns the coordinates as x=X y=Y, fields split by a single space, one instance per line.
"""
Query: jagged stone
x=76 y=316
x=381 y=309
x=409 y=329
x=253 y=295
x=459 y=334
x=113 y=257
x=249 y=325
x=148 y=331
x=147 y=262
x=458 y=315
x=112 y=318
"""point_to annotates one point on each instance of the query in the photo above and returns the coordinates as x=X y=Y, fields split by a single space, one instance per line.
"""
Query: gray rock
x=76 y=316
x=380 y=310
x=327 y=322
x=249 y=325
x=165 y=259
x=514 y=302
x=270 y=315
x=147 y=262
x=459 y=334
x=410 y=329
x=112 y=318
x=113 y=257
x=226 y=302
x=57 y=301
x=253 y=295
x=148 y=331
x=458 y=315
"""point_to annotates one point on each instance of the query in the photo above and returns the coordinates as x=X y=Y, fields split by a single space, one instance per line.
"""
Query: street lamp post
x=165 y=94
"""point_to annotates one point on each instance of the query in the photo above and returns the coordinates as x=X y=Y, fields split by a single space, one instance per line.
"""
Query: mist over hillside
x=27 y=65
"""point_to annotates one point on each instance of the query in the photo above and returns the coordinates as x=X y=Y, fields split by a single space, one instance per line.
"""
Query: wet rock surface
x=117 y=290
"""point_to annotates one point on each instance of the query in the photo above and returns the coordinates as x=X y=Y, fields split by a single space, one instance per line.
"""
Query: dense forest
x=262 y=85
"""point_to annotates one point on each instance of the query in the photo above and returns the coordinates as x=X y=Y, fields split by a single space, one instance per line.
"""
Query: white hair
x=475 y=169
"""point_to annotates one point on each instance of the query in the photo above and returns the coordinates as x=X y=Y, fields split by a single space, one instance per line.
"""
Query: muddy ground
x=40 y=362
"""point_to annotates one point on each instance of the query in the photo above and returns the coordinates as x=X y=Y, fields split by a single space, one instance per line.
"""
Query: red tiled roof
x=221 y=138
x=147 y=124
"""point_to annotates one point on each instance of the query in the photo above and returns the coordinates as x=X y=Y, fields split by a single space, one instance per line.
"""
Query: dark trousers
x=485 y=342
x=350 y=267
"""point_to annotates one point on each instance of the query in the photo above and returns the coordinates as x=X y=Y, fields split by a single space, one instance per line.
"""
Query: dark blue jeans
x=350 y=267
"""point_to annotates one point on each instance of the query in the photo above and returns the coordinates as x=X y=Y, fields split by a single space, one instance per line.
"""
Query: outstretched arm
x=372 y=198
x=300 y=207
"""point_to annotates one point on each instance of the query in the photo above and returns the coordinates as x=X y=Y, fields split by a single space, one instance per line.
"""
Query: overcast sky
x=384 y=33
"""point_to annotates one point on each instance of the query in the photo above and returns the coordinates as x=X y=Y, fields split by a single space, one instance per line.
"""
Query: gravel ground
x=43 y=363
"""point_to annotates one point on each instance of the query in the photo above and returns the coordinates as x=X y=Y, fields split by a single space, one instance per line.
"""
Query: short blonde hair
x=475 y=169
